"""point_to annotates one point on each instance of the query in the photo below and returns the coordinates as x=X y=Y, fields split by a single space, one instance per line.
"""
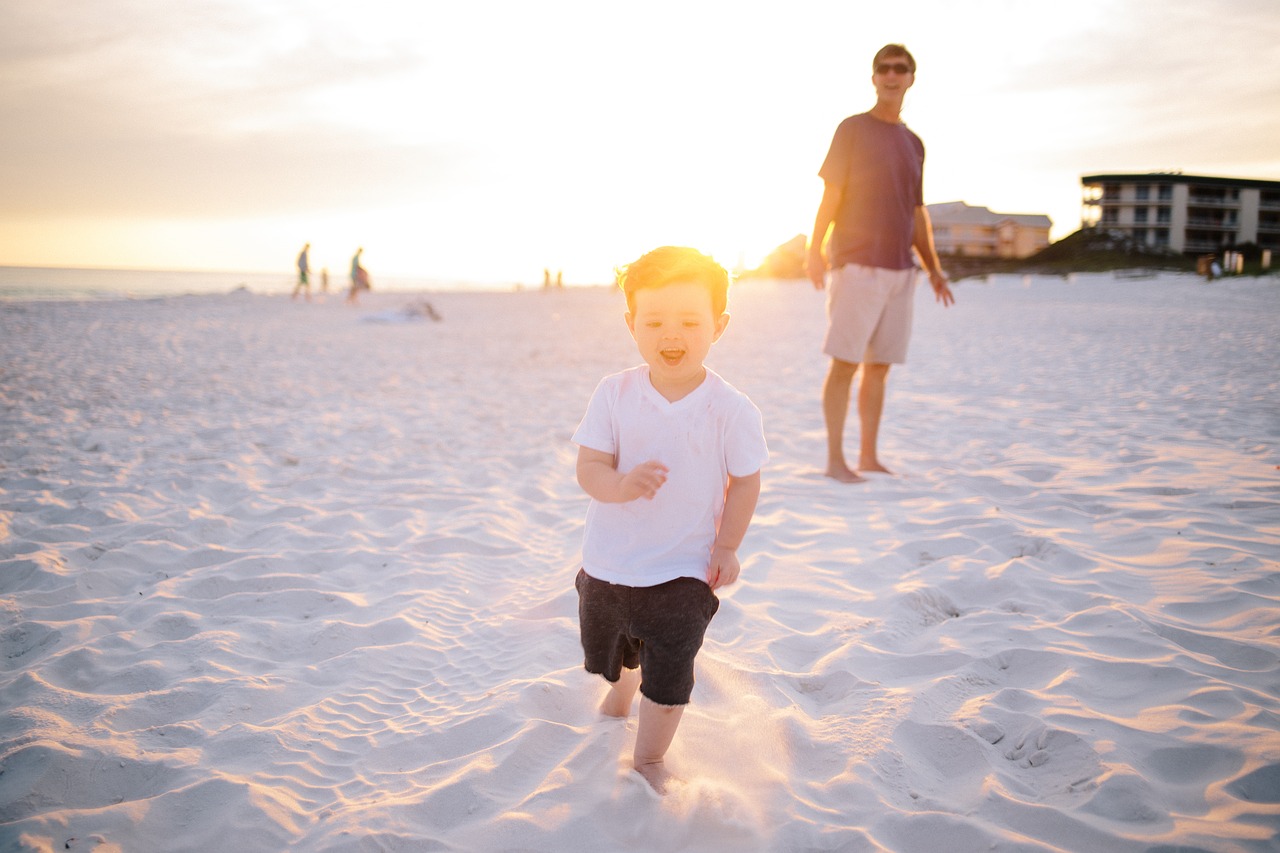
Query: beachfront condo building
x=976 y=232
x=1191 y=214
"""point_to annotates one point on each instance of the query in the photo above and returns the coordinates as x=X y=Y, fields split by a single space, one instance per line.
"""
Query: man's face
x=674 y=328
x=892 y=76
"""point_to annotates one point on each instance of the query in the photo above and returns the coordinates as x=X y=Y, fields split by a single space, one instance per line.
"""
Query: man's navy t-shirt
x=880 y=168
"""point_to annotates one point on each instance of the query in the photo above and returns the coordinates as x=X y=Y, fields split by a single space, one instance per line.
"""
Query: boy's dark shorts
x=657 y=628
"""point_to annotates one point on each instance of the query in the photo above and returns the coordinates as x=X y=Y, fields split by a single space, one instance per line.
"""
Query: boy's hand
x=643 y=481
x=724 y=567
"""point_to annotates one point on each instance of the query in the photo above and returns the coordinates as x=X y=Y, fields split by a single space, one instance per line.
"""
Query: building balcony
x=1161 y=204
x=1212 y=224
x=1212 y=201
x=1203 y=246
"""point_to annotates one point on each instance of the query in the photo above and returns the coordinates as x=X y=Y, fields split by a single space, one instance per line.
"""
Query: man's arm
x=923 y=243
x=599 y=477
x=739 y=505
x=816 y=264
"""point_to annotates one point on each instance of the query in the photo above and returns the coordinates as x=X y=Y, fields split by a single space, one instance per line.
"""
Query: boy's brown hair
x=671 y=265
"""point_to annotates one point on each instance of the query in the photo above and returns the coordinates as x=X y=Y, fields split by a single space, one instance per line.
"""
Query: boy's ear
x=722 y=323
x=631 y=322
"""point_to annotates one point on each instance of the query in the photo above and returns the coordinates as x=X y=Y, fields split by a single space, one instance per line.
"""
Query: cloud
x=574 y=122
x=185 y=110
x=1175 y=81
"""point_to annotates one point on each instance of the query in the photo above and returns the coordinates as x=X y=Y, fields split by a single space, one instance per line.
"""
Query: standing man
x=304 y=267
x=873 y=203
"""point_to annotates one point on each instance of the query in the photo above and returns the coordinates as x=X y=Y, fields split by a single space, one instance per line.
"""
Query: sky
x=488 y=141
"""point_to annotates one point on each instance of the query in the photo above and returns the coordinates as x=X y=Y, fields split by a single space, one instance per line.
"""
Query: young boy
x=670 y=454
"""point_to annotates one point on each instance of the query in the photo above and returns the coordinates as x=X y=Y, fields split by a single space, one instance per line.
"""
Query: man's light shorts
x=869 y=314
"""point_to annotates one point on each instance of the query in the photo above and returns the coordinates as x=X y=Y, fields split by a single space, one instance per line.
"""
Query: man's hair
x=894 y=50
x=673 y=265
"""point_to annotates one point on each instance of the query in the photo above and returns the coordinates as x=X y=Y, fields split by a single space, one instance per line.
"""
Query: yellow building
x=961 y=229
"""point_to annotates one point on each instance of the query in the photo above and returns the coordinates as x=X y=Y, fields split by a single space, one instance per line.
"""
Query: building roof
x=1179 y=178
x=959 y=213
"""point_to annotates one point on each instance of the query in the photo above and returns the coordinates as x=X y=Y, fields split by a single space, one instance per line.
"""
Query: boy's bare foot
x=875 y=466
x=842 y=474
x=657 y=775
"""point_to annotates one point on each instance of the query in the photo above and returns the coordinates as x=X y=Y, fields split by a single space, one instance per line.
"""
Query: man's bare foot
x=874 y=466
x=842 y=474
x=657 y=775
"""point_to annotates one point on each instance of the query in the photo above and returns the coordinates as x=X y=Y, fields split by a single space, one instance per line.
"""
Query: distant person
x=670 y=454
x=546 y=279
x=355 y=264
x=359 y=278
x=873 y=203
x=304 y=268
x=324 y=280
x=559 y=280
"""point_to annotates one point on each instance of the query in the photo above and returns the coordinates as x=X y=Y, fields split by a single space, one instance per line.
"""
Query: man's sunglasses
x=896 y=67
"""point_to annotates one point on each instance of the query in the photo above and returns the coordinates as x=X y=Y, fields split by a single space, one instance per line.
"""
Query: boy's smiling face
x=674 y=327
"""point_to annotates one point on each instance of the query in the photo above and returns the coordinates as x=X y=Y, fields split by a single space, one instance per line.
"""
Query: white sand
x=273 y=577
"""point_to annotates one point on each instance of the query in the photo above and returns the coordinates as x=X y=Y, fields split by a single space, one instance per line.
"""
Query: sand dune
x=273 y=577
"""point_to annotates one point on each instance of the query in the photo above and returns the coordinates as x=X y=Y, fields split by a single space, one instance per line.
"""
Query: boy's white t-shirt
x=704 y=438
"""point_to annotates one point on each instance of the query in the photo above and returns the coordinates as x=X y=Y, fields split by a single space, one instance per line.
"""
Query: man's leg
x=870 y=407
x=657 y=728
x=835 y=408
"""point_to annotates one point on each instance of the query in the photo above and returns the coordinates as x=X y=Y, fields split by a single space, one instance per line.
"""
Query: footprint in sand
x=829 y=688
x=26 y=642
x=932 y=605
x=1058 y=762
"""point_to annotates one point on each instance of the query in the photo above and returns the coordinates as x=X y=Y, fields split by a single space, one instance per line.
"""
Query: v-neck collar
x=670 y=405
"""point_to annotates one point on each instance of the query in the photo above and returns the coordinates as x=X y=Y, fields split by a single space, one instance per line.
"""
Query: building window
x=1162 y=236
x=1165 y=192
x=1140 y=214
x=1164 y=215
x=1143 y=192
x=1140 y=235
x=1110 y=216
x=1111 y=192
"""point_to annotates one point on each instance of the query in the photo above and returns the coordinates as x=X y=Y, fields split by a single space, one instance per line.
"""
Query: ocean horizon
x=21 y=283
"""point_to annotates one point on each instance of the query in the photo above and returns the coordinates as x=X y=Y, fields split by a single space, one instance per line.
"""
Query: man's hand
x=816 y=267
x=643 y=481
x=724 y=568
x=942 y=288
